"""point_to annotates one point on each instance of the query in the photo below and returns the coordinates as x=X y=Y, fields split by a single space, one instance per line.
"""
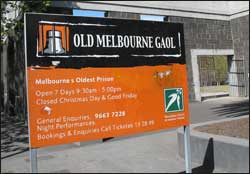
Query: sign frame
x=33 y=151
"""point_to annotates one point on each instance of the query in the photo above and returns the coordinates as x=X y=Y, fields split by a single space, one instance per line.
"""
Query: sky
x=152 y=18
x=89 y=13
x=92 y=13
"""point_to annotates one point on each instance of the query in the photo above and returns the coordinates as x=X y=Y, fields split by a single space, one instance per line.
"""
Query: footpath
x=154 y=152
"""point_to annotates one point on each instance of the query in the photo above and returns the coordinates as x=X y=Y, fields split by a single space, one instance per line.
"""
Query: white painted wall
x=220 y=10
x=237 y=6
x=206 y=6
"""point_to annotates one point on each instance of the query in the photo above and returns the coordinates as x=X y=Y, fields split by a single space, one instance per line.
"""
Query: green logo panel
x=173 y=98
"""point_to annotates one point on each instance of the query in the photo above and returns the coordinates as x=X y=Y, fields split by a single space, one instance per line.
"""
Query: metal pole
x=33 y=152
x=187 y=149
x=54 y=41
x=33 y=160
x=42 y=38
x=65 y=41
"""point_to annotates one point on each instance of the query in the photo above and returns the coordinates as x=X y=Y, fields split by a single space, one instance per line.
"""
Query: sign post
x=33 y=160
x=92 y=78
x=33 y=151
x=187 y=149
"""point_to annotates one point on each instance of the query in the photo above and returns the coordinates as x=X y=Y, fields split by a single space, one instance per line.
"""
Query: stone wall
x=122 y=15
x=203 y=34
x=240 y=35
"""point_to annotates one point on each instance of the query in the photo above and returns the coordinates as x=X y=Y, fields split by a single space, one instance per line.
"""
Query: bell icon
x=54 y=43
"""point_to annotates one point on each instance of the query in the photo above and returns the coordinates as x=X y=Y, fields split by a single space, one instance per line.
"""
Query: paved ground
x=151 y=152
x=218 y=108
x=141 y=154
x=154 y=152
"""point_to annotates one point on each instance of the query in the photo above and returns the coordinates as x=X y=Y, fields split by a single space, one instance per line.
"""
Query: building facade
x=210 y=28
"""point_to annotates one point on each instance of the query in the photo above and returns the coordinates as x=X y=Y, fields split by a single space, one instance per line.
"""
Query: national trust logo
x=173 y=98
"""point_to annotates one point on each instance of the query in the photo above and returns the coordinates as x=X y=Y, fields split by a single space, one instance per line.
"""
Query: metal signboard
x=92 y=78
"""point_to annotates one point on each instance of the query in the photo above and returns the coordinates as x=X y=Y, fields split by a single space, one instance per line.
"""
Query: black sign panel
x=77 y=42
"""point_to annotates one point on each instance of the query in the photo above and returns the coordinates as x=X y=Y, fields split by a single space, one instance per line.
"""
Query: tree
x=12 y=43
x=12 y=17
x=221 y=69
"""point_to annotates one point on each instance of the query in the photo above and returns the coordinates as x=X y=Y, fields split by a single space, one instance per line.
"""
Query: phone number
x=110 y=114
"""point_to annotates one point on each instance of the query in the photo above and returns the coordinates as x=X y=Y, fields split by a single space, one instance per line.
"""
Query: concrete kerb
x=216 y=151
x=206 y=96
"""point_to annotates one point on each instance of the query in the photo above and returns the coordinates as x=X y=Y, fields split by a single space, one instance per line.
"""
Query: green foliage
x=10 y=26
x=221 y=68
x=213 y=69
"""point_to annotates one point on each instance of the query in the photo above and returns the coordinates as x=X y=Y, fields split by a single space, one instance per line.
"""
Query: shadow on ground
x=235 y=109
x=14 y=137
x=208 y=162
